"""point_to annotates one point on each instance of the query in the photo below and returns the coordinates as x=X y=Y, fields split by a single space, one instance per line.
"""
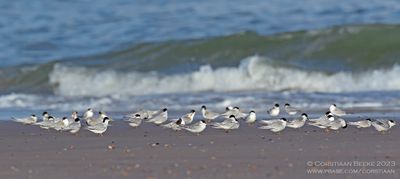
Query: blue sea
x=124 y=55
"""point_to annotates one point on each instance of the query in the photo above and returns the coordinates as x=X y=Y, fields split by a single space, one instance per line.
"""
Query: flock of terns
x=331 y=120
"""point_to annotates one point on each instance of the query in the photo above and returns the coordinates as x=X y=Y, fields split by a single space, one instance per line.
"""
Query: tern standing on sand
x=336 y=111
x=207 y=114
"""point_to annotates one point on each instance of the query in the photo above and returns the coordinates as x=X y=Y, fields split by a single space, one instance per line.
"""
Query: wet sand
x=153 y=152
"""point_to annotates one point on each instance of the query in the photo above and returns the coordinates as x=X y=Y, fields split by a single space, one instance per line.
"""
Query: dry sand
x=153 y=152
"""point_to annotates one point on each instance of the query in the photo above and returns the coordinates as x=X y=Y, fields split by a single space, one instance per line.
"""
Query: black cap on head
x=203 y=107
x=192 y=111
x=44 y=113
x=65 y=118
x=106 y=118
x=252 y=111
x=304 y=114
x=100 y=112
x=203 y=121
x=227 y=109
x=137 y=115
x=165 y=109
x=232 y=116
x=235 y=107
x=51 y=117
x=327 y=113
x=276 y=105
x=391 y=121
x=284 y=119
x=179 y=121
x=329 y=116
x=368 y=119
x=287 y=104
x=89 y=109
x=77 y=119
x=33 y=115
x=334 y=105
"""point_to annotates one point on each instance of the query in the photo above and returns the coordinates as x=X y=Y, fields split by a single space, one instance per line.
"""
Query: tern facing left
x=291 y=110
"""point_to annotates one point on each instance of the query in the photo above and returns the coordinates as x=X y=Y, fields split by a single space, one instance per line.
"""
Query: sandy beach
x=152 y=152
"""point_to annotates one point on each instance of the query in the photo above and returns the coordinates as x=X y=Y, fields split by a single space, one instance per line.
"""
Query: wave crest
x=253 y=73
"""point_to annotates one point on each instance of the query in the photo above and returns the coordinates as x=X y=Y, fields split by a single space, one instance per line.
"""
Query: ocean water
x=125 y=55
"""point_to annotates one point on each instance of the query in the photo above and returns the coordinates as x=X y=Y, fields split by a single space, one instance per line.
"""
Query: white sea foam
x=252 y=74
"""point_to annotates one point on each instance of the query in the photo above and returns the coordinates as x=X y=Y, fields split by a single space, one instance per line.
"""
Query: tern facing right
x=291 y=110
x=297 y=123
x=361 y=124
x=276 y=126
x=188 y=118
x=175 y=125
x=322 y=123
x=207 y=114
x=99 y=128
x=29 y=120
x=75 y=126
x=274 y=111
x=382 y=125
x=228 y=124
x=159 y=118
x=46 y=124
x=336 y=111
x=337 y=123
x=196 y=127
